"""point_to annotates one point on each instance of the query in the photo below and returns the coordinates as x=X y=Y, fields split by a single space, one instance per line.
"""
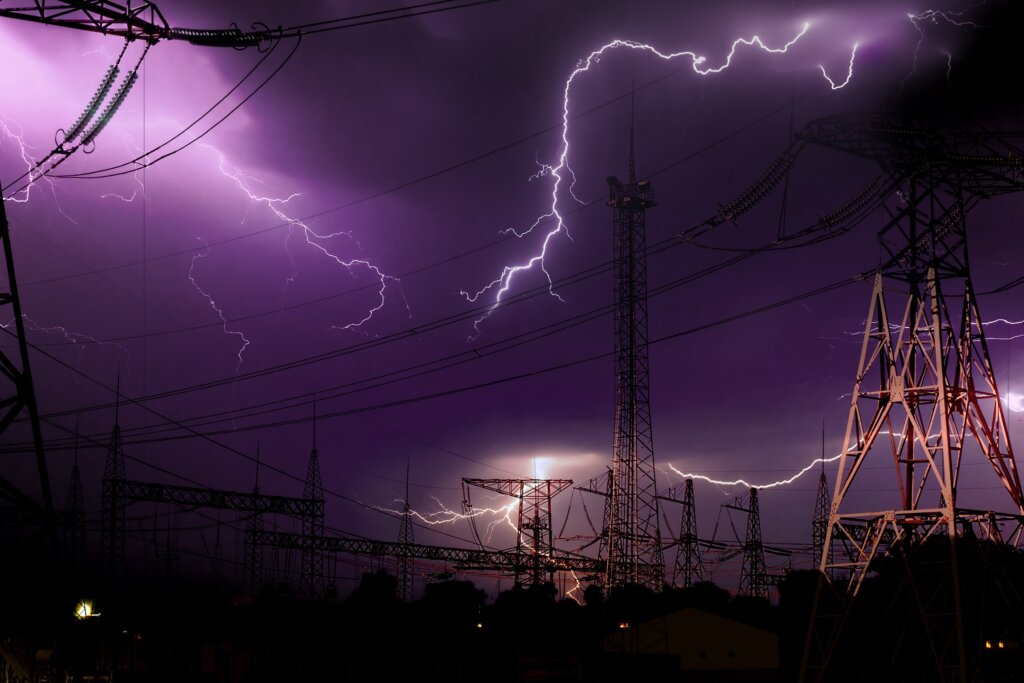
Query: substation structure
x=533 y=519
x=925 y=399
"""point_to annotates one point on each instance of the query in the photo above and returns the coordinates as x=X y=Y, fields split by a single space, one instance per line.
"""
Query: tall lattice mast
x=631 y=539
x=313 y=525
x=112 y=515
x=74 y=518
x=405 y=540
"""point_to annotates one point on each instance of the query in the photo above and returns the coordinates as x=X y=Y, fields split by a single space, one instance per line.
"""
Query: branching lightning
x=315 y=240
x=561 y=170
x=935 y=16
x=79 y=339
x=213 y=304
x=849 y=71
x=445 y=515
x=814 y=463
x=34 y=172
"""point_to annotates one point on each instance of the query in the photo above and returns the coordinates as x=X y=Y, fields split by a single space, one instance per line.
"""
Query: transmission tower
x=689 y=566
x=313 y=525
x=533 y=522
x=252 y=564
x=112 y=514
x=17 y=393
x=631 y=538
x=819 y=525
x=405 y=541
x=753 y=576
x=925 y=397
x=74 y=522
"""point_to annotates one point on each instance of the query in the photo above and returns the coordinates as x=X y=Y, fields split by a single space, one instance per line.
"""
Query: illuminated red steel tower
x=925 y=399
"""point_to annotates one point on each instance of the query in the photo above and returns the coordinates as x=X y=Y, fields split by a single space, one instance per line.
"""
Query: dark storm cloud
x=364 y=110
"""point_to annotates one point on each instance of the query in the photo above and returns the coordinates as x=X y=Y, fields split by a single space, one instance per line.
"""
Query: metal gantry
x=533 y=517
x=925 y=397
x=133 y=21
x=631 y=537
x=465 y=559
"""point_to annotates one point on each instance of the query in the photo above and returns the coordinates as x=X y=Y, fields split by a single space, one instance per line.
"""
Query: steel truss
x=533 y=519
x=925 y=396
x=463 y=559
x=138 y=21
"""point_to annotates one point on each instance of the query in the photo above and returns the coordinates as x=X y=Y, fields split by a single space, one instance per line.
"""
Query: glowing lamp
x=84 y=610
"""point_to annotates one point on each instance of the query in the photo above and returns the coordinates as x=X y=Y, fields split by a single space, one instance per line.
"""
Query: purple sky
x=361 y=111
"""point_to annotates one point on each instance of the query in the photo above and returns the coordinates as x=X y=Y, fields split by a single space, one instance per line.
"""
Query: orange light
x=479 y=625
x=623 y=624
x=1001 y=646
x=988 y=644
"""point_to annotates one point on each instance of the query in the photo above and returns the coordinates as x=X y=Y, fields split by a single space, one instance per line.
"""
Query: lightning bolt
x=814 y=463
x=213 y=304
x=276 y=205
x=35 y=172
x=79 y=339
x=935 y=16
x=849 y=71
x=560 y=171
x=445 y=515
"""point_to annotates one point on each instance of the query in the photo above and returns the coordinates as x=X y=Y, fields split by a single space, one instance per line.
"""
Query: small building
x=709 y=647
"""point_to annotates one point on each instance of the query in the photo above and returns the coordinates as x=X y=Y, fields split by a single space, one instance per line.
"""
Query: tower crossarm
x=192 y=496
x=981 y=163
x=463 y=558
x=138 y=21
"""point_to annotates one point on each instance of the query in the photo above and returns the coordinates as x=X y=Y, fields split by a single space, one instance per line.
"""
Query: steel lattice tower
x=689 y=568
x=405 y=540
x=313 y=527
x=252 y=562
x=822 y=503
x=753 y=576
x=17 y=393
x=74 y=522
x=631 y=539
x=925 y=397
x=112 y=522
